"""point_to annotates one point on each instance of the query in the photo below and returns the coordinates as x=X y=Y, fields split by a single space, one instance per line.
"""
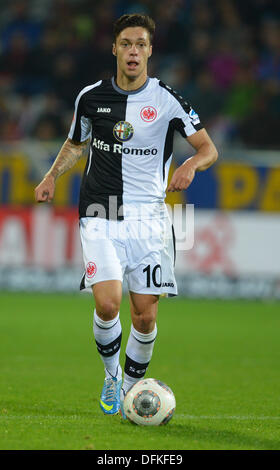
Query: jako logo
x=103 y=110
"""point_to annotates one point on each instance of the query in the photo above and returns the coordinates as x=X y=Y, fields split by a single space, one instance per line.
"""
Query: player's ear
x=151 y=50
x=114 y=49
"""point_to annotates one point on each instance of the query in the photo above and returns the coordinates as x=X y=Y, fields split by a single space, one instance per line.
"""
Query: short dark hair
x=134 y=20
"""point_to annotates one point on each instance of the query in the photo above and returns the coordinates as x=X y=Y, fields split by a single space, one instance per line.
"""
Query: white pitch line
x=40 y=417
x=261 y=418
x=177 y=415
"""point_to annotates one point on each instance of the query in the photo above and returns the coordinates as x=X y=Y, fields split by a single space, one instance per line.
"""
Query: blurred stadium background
x=223 y=56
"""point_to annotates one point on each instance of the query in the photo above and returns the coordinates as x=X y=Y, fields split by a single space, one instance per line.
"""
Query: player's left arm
x=206 y=154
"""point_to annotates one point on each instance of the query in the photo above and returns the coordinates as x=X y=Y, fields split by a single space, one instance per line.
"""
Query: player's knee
x=144 y=321
x=107 y=309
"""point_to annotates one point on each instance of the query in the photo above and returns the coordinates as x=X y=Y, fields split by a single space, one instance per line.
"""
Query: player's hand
x=182 y=177
x=44 y=192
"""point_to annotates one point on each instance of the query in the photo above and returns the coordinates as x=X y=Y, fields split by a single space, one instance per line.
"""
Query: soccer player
x=128 y=123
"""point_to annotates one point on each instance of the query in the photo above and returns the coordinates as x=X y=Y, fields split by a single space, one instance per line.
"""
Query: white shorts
x=141 y=250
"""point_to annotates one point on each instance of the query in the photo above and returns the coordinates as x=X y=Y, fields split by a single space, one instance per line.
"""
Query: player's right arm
x=68 y=156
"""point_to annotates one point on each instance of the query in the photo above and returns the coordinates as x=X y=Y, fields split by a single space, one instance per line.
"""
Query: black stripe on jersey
x=187 y=107
x=174 y=124
x=102 y=177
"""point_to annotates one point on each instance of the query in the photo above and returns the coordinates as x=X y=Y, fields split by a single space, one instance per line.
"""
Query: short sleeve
x=80 y=129
x=182 y=115
x=187 y=121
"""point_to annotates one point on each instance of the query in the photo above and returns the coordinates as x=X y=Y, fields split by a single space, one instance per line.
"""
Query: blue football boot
x=110 y=396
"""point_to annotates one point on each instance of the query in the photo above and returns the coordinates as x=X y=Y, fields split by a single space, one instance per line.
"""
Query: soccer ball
x=149 y=402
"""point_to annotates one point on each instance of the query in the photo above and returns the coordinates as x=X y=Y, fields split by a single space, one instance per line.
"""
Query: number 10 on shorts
x=154 y=276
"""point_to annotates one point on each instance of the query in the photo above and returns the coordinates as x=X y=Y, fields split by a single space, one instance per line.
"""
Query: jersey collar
x=126 y=92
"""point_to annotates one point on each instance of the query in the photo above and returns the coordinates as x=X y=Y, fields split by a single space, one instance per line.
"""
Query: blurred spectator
x=65 y=79
x=221 y=55
x=171 y=35
x=206 y=98
x=203 y=16
x=21 y=24
x=223 y=64
x=48 y=128
x=50 y=123
x=269 y=65
x=260 y=129
x=199 y=50
x=240 y=99
x=15 y=60
x=10 y=130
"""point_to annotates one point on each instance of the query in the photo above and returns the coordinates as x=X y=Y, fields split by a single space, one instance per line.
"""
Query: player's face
x=132 y=49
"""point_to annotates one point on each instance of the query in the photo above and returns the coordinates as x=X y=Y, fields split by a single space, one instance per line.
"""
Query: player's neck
x=128 y=84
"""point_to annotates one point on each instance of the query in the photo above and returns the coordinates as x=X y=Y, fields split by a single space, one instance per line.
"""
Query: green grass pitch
x=221 y=358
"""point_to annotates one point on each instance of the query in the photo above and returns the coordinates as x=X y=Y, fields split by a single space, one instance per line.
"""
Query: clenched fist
x=44 y=192
x=182 y=177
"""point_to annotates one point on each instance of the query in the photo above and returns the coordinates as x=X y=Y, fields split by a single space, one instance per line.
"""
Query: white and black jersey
x=131 y=140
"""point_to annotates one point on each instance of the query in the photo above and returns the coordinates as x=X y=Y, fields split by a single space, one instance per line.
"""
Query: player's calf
x=139 y=352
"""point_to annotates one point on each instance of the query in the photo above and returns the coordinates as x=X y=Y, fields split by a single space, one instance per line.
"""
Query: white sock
x=108 y=335
x=139 y=352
